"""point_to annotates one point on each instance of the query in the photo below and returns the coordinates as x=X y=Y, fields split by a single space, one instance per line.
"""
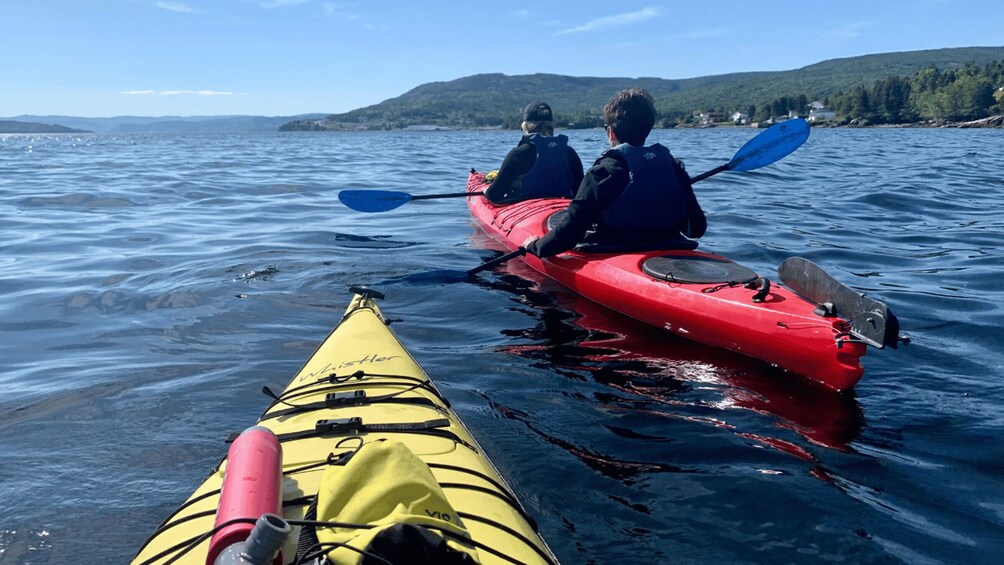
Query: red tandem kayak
x=817 y=328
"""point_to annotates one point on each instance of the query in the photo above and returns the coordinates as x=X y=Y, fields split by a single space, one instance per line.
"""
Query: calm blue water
x=152 y=284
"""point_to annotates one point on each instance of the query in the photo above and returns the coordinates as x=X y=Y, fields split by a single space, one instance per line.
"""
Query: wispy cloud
x=704 y=33
x=177 y=92
x=626 y=45
x=613 y=21
x=176 y=7
x=346 y=12
x=281 y=3
x=340 y=10
x=848 y=31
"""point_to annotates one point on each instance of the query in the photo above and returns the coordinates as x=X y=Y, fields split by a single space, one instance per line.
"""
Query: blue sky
x=100 y=58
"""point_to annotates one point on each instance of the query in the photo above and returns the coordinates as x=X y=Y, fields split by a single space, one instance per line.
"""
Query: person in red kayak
x=635 y=197
x=542 y=165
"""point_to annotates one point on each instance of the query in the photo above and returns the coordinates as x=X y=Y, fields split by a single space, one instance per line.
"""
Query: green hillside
x=495 y=100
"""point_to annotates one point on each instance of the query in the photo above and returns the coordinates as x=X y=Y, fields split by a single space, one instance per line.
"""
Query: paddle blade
x=772 y=145
x=373 y=200
x=871 y=321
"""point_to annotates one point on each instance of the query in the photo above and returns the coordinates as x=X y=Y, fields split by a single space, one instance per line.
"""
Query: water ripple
x=155 y=282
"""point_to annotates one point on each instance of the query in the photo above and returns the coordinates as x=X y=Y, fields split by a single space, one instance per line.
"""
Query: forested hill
x=495 y=100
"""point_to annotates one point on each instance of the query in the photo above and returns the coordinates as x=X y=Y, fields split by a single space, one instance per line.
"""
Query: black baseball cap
x=537 y=112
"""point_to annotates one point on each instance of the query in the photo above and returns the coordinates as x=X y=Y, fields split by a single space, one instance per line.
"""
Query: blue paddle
x=384 y=200
x=770 y=146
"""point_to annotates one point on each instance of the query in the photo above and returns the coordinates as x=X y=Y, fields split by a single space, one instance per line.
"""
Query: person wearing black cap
x=635 y=197
x=542 y=165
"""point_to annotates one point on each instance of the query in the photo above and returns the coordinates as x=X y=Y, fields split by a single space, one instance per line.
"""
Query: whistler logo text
x=332 y=368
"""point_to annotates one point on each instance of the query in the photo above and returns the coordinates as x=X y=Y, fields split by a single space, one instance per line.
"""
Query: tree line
x=969 y=93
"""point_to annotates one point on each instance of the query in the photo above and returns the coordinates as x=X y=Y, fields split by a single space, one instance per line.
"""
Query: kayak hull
x=320 y=418
x=782 y=329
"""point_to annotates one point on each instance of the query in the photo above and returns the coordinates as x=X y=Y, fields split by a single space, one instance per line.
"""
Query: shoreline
x=992 y=122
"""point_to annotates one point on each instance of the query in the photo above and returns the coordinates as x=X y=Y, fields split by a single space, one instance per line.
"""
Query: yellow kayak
x=359 y=460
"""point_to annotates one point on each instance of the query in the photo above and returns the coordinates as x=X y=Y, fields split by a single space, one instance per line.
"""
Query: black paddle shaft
x=447 y=195
x=497 y=261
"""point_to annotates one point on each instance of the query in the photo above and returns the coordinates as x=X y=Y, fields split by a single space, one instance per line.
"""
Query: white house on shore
x=707 y=118
x=821 y=115
x=818 y=112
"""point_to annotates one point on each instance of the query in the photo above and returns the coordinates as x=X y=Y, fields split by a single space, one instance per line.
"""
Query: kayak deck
x=782 y=328
x=361 y=386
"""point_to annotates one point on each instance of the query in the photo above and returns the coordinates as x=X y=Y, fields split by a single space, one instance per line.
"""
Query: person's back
x=633 y=195
x=542 y=165
x=654 y=201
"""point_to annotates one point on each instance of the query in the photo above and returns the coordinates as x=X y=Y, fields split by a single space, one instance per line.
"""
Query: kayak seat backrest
x=697 y=269
x=593 y=244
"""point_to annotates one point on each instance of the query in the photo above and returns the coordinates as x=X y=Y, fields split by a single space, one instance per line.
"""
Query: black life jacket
x=653 y=201
x=550 y=176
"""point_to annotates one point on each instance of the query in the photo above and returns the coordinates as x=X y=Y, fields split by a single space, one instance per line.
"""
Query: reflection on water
x=619 y=469
x=657 y=371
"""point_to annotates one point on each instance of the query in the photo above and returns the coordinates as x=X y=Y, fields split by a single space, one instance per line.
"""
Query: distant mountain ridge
x=495 y=100
x=12 y=126
x=170 y=124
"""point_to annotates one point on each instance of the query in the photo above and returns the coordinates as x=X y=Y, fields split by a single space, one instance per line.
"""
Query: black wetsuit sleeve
x=694 y=223
x=517 y=163
x=602 y=185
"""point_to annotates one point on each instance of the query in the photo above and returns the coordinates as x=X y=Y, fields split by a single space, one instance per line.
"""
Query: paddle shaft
x=446 y=195
x=770 y=145
x=700 y=177
x=714 y=171
x=497 y=261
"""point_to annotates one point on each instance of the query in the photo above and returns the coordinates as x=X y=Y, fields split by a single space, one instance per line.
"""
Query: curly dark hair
x=631 y=114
